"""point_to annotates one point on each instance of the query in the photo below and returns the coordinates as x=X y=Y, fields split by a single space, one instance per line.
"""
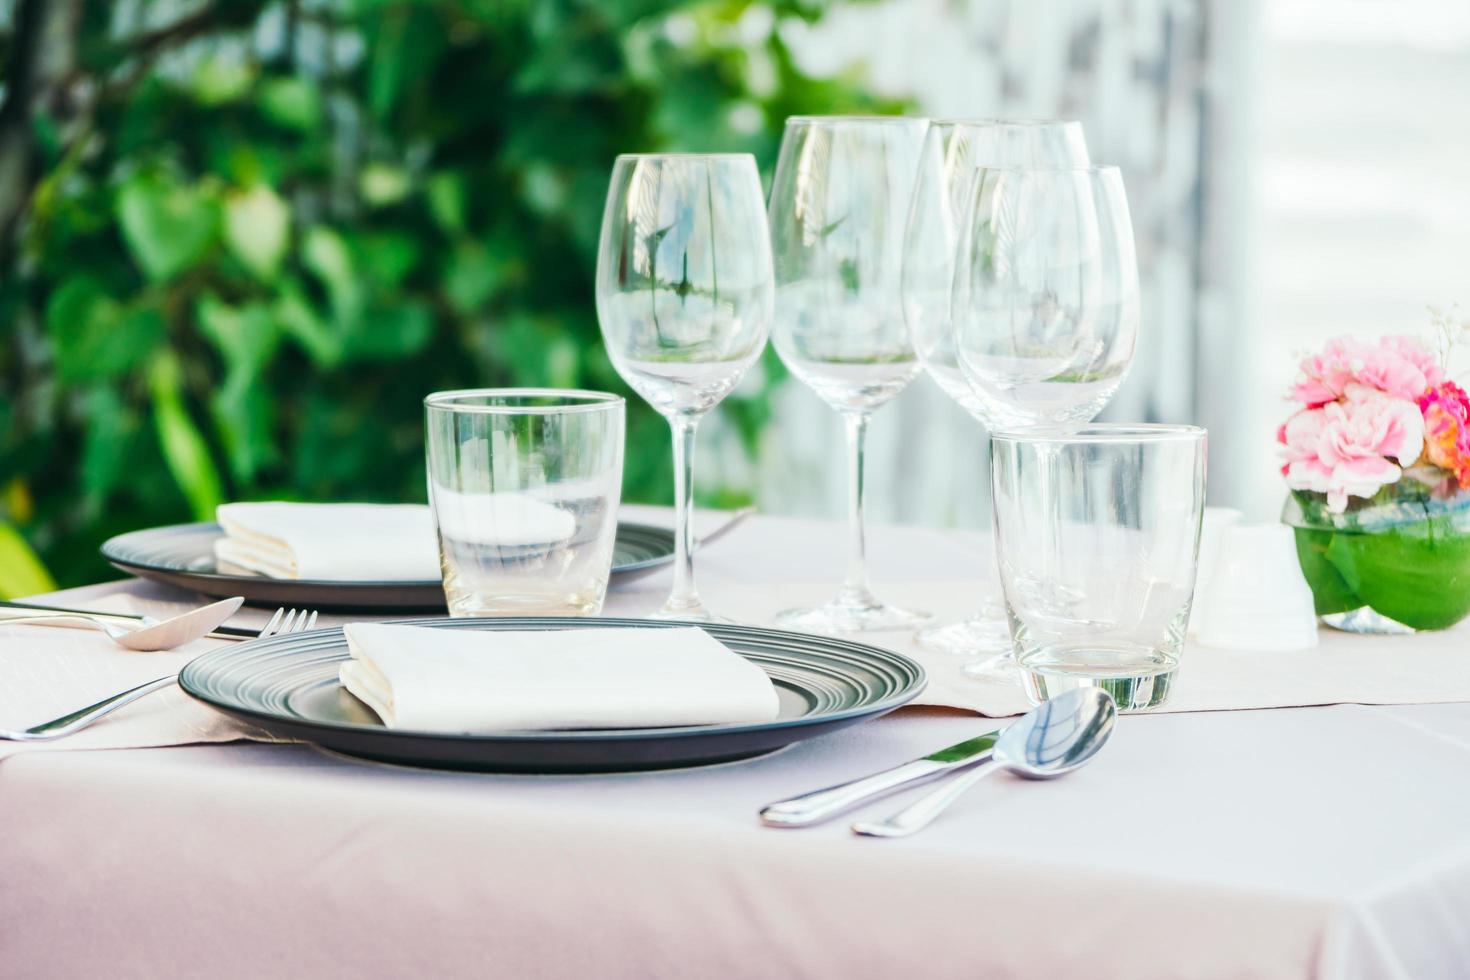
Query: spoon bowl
x=1057 y=736
x=152 y=634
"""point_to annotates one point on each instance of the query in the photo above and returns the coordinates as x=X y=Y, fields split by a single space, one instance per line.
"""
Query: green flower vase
x=1398 y=563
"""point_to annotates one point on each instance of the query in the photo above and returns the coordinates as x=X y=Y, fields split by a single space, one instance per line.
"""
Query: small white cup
x=1257 y=597
x=1216 y=520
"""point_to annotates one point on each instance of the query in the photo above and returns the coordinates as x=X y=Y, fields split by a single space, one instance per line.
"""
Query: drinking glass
x=684 y=292
x=1044 y=303
x=954 y=150
x=524 y=486
x=839 y=204
x=1119 y=539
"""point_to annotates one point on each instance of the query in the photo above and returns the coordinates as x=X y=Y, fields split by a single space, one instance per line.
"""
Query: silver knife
x=810 y=808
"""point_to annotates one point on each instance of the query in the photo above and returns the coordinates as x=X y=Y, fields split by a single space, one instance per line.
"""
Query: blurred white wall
x=1133 y=72
x=1297 y=169
x=1364 y=188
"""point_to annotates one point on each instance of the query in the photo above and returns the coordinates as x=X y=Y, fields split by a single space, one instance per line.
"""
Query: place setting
x=993 y=256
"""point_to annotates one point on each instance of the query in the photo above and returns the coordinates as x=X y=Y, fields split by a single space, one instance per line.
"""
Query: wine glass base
x=851 y=612
x=984 y=632
x=687 y=611
x=997 y=667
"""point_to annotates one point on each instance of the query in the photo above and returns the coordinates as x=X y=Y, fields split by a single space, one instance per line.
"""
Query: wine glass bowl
x=1045 y=299
x=955 y=152
x=684 y=296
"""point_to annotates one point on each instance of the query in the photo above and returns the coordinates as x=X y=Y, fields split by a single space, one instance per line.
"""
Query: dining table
x=1328 y=841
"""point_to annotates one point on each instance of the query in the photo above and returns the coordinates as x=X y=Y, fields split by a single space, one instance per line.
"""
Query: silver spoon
x=153 y=634
x=1051 y=740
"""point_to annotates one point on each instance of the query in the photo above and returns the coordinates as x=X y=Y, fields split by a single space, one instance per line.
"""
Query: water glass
x=524 y=486
x=1097 y=533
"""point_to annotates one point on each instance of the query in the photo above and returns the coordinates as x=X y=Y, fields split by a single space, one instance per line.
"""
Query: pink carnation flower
x=1347 y=448
x=1400 y=367
x=1446 y=411
x=1413 y=350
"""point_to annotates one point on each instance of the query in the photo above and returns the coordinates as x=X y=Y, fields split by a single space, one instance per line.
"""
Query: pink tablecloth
x=1318 y=842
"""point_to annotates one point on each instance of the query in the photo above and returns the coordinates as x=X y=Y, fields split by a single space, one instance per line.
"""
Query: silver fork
x=283 y=622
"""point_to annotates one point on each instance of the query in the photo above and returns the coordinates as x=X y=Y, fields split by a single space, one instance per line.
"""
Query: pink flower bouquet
x=1377 y=456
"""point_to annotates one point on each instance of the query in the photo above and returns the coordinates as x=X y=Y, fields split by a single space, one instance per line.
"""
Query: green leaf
x=244 y=414
x=405 y=48
x=294 y=103
x=1417 y=574
x=1330 y=592
x=184 y=450
x=258 y=229
x=471 y=276
x=298 y=319
x=382 y=184
x=246 y=337
x=392 y=331
x=220 y=78
x=387 y=258
x=167 y=226
x=326 y=254
x=94 y=336
x=446 y=197
x=109 y=446
x=21 y=570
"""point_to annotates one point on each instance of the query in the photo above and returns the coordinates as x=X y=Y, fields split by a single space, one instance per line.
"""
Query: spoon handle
x=54 y=619
x=919 y=814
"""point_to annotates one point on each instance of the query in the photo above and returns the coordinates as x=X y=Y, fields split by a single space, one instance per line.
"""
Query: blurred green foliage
x=240 y=241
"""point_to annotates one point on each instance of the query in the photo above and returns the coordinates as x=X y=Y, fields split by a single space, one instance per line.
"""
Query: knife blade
x=125 y=619
x=822 y=804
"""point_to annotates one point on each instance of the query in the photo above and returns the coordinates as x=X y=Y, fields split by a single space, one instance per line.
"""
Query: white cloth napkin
x=445 y=680
x=334 y=542
x=378 y=542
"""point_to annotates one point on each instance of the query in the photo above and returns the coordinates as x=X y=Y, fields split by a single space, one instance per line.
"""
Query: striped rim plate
x=288 y=686
x=183 y=555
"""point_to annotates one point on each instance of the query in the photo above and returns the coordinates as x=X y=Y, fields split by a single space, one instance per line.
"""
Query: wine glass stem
x=684 y=594
x=856 y=581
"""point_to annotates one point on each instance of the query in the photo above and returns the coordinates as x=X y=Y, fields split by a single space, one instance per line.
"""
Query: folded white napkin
x=333 y=542
x=446 y=680
x=379 y=542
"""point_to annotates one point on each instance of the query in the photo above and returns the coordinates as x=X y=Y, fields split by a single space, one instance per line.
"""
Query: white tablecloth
x=1315 y=842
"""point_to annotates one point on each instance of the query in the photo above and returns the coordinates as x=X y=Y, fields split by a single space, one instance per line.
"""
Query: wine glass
x=839 y=205
x=684 y=292
x=1044 y=307
x=954 y=149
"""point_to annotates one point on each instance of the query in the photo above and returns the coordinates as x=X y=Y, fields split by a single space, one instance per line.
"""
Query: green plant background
x=240 y=241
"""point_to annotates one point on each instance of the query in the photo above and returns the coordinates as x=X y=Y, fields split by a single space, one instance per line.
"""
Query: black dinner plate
x=183 y=555
x=288 y=686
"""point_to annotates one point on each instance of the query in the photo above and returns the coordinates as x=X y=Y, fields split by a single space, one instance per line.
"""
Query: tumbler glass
x=1097 y=533
x=524 y=486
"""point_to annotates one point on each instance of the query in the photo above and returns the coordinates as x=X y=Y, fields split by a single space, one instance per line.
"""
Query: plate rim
x=108 y=551
x=918 y=681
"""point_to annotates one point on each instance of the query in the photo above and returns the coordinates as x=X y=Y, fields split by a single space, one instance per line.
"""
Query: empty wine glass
x=839 y=205
x=954 y=150
x=1044 y=304
x=684 y=292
